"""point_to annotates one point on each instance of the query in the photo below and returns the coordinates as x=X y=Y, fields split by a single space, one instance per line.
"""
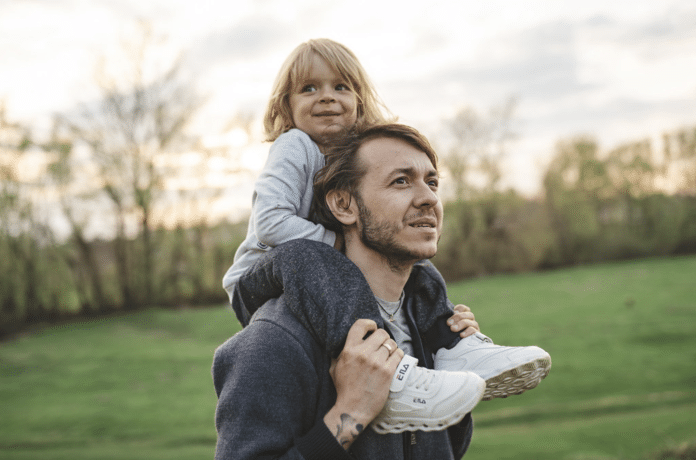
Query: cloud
x=662 y=28
x=249 y=39
x=536 y=64
x=540 y=62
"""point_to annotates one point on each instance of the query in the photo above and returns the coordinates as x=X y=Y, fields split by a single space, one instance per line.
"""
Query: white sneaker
x=428 y=400
x=506 y=370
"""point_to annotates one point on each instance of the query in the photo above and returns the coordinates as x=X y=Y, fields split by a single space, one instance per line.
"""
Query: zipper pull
x=413 y=439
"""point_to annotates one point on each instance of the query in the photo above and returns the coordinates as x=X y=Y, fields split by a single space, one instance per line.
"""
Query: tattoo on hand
x=348 y=430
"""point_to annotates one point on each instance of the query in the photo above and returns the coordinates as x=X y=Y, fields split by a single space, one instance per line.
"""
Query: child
x=321 y=92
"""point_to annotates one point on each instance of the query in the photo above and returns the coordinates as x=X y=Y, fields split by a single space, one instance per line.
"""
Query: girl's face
x=322 y=104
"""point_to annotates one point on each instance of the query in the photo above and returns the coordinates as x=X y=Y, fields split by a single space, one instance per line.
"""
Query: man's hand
x=463 y=321
x=362 y=375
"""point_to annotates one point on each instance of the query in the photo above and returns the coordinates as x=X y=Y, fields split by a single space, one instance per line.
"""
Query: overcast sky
x=619 y=70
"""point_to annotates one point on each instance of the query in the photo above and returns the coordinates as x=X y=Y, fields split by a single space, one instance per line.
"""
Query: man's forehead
x=390 y=151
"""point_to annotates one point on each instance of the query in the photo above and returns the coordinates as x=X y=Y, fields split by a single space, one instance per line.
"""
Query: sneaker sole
x=388 y=426
x=518 y=380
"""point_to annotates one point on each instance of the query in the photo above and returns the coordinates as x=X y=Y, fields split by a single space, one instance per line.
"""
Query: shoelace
x=423 y=377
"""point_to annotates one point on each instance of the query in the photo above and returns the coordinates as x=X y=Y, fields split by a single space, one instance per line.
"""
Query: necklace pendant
x=391 y=319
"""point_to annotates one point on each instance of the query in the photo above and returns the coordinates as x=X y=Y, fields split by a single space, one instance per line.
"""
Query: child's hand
x=463 y=321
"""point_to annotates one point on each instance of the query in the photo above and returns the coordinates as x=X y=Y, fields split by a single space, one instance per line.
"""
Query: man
x=280 y=395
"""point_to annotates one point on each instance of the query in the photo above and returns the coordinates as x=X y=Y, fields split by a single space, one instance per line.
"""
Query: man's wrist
x=344 y=425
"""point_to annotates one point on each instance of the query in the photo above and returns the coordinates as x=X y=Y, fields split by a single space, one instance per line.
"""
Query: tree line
x=131 y=163
x=597 y=206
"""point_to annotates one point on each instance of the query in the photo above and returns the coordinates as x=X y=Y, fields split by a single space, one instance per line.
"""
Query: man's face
x=400 y=213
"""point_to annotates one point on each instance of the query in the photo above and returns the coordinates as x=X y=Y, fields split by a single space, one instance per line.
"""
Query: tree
x=15 y=139
x=74 y=201
x=576 y=182
x=133 y=132
x=32 y=281
x=480 y=212
x=680 y=152
x=14 y=216
x=479 y=145
x=632 y=169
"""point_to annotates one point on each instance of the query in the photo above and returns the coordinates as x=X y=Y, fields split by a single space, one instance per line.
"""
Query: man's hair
x=278 y=116
x=344 y=170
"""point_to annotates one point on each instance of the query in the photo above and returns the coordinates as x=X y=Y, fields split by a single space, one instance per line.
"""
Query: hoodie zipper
x=409 y=440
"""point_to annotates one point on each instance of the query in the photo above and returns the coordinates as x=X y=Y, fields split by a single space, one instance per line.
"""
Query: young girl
x=321 y=92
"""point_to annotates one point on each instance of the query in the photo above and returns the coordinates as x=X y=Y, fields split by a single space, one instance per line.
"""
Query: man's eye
x=400 y=181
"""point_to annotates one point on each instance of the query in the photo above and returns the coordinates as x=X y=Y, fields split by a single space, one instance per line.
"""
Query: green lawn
x=623 y=383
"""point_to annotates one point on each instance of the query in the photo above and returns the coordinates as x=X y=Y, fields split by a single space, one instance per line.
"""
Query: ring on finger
x=388 y=347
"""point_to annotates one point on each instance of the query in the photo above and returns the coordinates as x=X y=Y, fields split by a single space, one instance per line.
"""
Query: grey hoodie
x=274 y=388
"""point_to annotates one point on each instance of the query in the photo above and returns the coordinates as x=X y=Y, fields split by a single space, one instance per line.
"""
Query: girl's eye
x=308 y=89
x=342 y=87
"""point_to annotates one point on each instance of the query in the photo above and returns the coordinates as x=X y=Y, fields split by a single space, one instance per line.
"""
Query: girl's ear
x=342 y=206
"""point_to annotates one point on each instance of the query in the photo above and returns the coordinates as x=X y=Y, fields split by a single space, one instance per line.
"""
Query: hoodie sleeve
x=267 y=399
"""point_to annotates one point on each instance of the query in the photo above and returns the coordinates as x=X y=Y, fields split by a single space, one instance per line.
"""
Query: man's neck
x=386 y=279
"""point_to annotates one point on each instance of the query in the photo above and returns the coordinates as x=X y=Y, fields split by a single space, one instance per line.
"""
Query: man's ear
x=342 y=206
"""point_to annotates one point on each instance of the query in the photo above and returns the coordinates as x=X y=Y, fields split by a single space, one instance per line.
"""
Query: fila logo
x=419 y=400
x=402 y=372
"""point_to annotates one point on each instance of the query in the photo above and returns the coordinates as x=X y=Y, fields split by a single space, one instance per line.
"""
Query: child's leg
x=507 y=370
x=325 y=290
x=433 y=308
x=254 y=288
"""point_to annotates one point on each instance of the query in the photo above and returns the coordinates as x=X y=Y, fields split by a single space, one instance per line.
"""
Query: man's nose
x=425 y=196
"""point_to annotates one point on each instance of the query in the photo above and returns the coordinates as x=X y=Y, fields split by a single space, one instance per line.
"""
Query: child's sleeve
x=283 y=192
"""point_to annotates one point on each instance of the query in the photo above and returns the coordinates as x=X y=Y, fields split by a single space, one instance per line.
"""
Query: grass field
x=623 y=383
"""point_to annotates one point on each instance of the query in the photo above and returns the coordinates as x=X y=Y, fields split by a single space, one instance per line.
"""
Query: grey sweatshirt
x=280 y=203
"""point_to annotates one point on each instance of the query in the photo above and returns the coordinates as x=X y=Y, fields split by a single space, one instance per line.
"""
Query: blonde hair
x=278 y=117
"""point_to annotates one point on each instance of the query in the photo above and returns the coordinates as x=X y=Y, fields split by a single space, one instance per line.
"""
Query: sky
x=617 y=70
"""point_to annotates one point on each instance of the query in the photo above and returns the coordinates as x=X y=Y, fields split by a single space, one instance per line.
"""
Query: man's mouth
x=427 y=223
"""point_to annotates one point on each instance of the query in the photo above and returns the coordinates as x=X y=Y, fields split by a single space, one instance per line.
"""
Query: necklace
x=391 y=315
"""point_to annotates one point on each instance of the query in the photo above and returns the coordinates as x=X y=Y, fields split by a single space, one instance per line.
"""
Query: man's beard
x=380 y=237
